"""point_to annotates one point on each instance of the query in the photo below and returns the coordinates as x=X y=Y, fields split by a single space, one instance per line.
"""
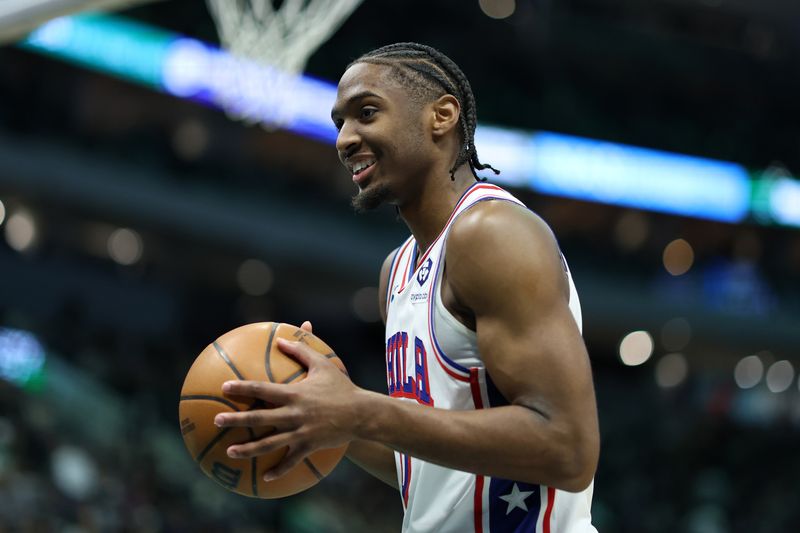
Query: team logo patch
x=424 y=272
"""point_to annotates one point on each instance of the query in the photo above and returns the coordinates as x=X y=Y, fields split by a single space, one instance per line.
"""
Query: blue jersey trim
x=496 y=398
x=435 y=286
x=412 y=265
x=431 y=313
x=504 y=516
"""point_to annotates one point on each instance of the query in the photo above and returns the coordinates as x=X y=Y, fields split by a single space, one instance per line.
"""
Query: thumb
x=301 y=352
x=307 y=327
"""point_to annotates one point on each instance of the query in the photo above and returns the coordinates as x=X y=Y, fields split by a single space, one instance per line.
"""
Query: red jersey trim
x=397 y=260
x=477 y=507
x=551 y=500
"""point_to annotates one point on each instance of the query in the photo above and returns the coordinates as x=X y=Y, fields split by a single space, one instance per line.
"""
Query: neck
x=426 y=214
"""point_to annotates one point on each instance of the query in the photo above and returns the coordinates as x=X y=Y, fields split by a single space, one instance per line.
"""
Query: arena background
x=139 y=225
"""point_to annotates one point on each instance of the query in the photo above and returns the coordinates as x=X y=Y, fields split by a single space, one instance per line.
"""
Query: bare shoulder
x=492 y=218
x=499 y=249
x=499 y=242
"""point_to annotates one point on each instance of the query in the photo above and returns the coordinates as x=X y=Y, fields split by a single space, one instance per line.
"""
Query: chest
x=428 y=354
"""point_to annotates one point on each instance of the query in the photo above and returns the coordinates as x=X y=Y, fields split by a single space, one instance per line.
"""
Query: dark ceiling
x=80 y=148
x=717 y=78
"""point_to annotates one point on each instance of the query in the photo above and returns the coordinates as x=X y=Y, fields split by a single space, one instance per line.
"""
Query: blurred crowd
x=676 y=460
x=94 y=445
x=53 y=479
x=684 y=460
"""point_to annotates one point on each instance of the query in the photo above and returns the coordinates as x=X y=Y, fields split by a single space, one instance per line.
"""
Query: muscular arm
x=376 y=458
x=503 y=268
x=503 y=265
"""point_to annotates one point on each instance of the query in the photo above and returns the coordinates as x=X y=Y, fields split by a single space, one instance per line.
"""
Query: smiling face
x=382 y=138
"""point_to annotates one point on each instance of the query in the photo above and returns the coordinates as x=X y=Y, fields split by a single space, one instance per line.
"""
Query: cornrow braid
x=428 y=74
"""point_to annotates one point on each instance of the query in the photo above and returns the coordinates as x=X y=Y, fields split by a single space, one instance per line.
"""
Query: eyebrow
x=336 y=112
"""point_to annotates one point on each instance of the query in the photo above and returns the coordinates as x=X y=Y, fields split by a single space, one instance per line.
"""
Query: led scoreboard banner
x=545 y=162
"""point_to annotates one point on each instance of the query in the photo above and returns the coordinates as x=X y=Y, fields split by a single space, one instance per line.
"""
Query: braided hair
x=428 y=74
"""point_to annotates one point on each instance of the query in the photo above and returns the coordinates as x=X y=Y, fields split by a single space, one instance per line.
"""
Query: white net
x=282 y=34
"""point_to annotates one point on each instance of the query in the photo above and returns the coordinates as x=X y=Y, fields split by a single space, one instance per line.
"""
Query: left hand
x=316 y=412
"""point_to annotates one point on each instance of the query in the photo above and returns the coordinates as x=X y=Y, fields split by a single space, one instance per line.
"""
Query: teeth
x=358 y=167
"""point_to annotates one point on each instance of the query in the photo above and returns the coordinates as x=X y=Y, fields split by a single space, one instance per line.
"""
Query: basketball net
x=283 y=37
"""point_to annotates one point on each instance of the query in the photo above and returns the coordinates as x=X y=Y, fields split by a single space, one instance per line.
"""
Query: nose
x=347 y=141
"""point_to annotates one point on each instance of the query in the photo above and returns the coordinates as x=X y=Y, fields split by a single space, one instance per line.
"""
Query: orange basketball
x=248 y=353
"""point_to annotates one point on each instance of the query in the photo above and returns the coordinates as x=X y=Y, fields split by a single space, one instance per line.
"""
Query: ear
x=445 y=114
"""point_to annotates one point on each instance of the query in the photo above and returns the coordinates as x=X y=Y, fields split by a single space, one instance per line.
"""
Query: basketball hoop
x=18 y=17
x=283 y=37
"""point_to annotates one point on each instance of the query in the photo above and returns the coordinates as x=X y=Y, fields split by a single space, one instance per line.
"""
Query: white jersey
x=433 y=359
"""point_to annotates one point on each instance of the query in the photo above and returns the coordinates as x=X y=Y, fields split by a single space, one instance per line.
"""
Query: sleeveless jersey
x=433 y=359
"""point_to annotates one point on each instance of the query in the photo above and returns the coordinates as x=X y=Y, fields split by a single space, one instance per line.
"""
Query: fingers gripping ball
x=247 y=353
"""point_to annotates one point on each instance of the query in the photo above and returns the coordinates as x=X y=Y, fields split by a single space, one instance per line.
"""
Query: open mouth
x=362 y=170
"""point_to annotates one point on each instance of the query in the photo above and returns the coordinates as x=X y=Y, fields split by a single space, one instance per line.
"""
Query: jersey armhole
x=446 y=313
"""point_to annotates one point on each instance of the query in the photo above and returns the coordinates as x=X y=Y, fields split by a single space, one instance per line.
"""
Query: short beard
x=371 y=198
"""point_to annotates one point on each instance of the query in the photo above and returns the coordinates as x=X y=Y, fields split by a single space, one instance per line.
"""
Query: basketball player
x=490 y=423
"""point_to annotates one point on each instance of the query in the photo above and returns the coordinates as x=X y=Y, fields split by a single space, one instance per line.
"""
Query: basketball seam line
x=294 y=376
x=313 y=468
x=303 y=370
x=210 y=398
x=227 y=360
x=269 y=349
x=253 y=471
x=211 y=444
x=253 y=465
x=331 y=356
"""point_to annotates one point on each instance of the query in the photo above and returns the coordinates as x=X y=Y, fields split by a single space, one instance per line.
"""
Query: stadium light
x=549 y=163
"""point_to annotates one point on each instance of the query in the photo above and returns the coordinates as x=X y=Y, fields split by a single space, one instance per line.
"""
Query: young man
x=490 y=423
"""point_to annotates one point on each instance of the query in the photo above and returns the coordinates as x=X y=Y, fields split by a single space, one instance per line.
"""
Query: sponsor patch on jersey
x=419 y=297
x=424 y=272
